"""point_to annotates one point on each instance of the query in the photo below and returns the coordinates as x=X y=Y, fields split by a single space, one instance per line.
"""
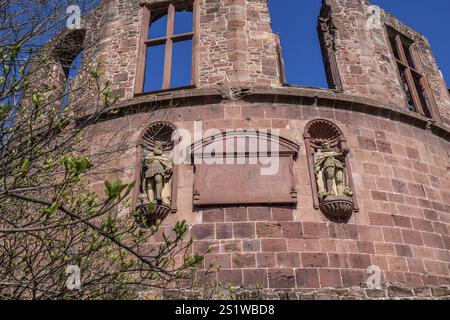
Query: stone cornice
x=291 y=95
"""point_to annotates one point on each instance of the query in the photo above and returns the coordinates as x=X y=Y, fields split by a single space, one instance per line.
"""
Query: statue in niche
x=329 y=168
x=157 y=178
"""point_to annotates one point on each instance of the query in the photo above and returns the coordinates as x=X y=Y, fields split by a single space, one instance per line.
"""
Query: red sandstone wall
x=401 y=176
x=365 y=63
x=429 y=67
x=237 y=46
x=400 y=169
x=362 y=54
x=402 y=181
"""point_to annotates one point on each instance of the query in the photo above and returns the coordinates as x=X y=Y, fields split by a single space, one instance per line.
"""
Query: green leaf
x=14 y=51
x=151 y=207
x=24 y=167
x=4 y=109
x=82 y=164
x=76 y=166
x=107 y=93
x=114 y=188
x=62 y=122
x=52 y=209
x=68 y=163
x=48 y=164
x=109 y=222
x=180 y=229
x=36 y=99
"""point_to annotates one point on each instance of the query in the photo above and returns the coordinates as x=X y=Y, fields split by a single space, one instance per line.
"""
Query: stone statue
x=329 y=168
x=157 y=177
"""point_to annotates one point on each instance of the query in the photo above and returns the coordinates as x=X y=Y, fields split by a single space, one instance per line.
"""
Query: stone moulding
x=147 y=217
x=330 y=98
x=338 y=210
x=387 y=291
x=317 y=132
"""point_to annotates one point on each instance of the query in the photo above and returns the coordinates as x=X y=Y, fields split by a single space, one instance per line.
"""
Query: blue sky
x=296 y=21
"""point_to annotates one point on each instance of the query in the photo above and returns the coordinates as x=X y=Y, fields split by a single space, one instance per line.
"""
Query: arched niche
x=253 y=167
x=157 y=134
x=320 y=135
x=158 y=131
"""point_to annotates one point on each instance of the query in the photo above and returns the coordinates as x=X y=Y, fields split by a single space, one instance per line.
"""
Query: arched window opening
x=296 y=23
x=168 y=47
x=71 y=73
x=68 y=53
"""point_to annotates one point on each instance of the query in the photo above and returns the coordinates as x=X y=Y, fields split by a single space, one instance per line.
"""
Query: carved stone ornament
x=157 y=177
x=329 y=168
x=330 y=172
x=154 y=201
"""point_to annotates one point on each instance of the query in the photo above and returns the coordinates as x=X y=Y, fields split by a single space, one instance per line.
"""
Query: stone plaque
x=243 y=182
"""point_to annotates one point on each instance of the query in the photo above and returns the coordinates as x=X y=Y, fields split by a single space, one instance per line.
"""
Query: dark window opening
x=421 y=90
x=413 y=82
x=409 y=99
x=169 y=54
x=394 y=48
x=409 y=57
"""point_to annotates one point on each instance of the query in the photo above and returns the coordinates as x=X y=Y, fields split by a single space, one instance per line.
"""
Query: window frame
x=168 y=40
x=403 y=43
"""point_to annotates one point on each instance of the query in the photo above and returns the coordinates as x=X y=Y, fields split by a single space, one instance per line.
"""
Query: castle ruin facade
x=363 y=171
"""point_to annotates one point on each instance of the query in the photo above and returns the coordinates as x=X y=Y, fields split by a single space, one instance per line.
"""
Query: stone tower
x=387 y=104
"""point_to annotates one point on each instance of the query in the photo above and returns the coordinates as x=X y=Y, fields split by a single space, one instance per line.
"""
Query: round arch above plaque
x=330 y=172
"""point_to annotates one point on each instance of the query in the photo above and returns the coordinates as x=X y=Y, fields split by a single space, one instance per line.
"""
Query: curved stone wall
x=400 y=160
x=401 y=177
